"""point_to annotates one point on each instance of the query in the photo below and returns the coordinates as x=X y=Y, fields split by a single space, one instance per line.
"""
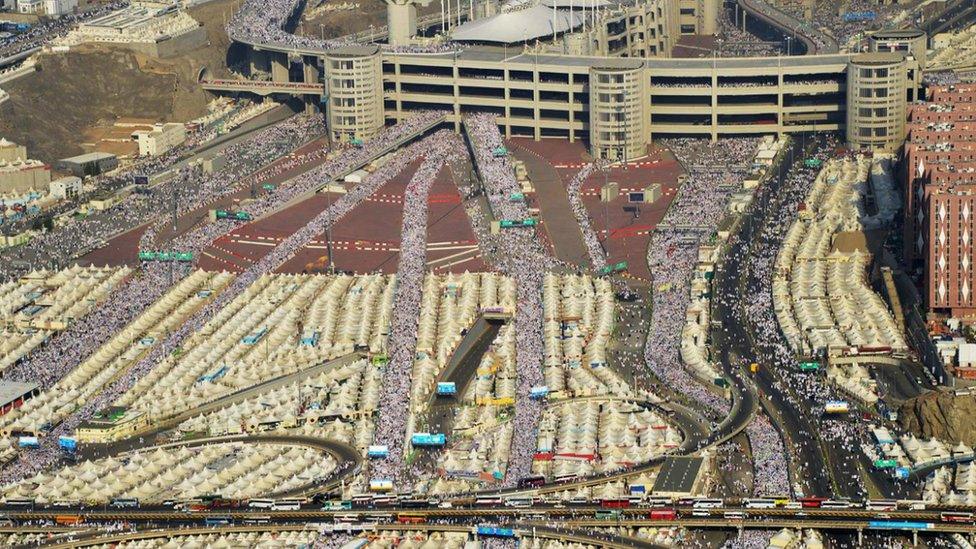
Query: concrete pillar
x=259 y=61
x=401 y=19
x=279 y=67
x=714 y=105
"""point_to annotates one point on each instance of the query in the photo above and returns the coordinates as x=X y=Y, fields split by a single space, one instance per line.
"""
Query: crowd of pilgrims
x=267 y=22
x=671 y=257
x=46 y=29
x=67 y=349
x=394 y=399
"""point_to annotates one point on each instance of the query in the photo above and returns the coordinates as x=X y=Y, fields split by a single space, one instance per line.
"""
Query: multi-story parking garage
x=614 y=101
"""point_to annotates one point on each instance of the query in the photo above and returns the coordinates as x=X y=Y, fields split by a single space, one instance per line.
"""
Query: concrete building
x=83 y=165
x=112 y=424
x=10 y=151
x=19 y=174
x=30 y=6
x=940 y=198
x=877 y=101
x=912 y=42
x=611 y=84
x=161 y=139
x=65 y=187
x=57 y=8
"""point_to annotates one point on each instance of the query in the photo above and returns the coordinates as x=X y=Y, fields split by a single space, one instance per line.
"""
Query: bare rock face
x=942 y=415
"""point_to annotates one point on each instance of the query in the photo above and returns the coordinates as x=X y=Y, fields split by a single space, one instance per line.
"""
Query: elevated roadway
x=958 y=13
x=263 y=87
x=813 y=39
x=539 y=531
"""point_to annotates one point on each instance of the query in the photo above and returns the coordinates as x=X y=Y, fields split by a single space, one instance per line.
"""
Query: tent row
x=578 y=322
x=234 y=470
x=821 y=295
x=41 y=303
x=263 y=334
x=118 y=354
x=343 y=393
x=594 y=436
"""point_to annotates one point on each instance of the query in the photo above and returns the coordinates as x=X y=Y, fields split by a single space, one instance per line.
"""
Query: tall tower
x=401 y=19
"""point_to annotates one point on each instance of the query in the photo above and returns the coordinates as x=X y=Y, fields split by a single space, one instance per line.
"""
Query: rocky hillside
x=941 y=415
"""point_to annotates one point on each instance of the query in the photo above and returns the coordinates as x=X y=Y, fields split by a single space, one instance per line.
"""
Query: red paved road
x=123 y=248
x=629 y=232
x=451 y=243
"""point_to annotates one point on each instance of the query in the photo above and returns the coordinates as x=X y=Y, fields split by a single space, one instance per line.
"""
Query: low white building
x=66 y=187
x=30 y=6
x=161 y=139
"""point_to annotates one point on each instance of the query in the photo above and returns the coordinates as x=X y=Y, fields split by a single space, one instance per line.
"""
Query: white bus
x=759 y=503
x=288 y=504
x=260 y=503
x=707 y=503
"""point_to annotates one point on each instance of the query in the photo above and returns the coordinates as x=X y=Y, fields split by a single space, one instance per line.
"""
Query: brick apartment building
x=940 y=198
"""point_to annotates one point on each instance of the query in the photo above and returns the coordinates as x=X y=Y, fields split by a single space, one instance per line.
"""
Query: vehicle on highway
x=287 y=504
x=956 y=517
x=615 y=503
x=607 y=514
x=72 y=503
x=812 y=502
x=23 y=503
x=259 y=503
x=68 y=520
x=260 y=519
x=532 y=481
x=734 y=515
x=707 y=503
x=411 y=518
x=495 y=531
x=124 y=503
x=488 y=500
x=881 y=505
x=347 y=518
x=663 y=514
x=759 y=503
x=837 y=504
x=518 y=501
x=336 y=505
x=218 y=521
x=659 y=501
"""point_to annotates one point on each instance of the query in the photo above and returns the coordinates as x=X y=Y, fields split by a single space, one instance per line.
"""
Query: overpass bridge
x=813 y=39
x=263 y=87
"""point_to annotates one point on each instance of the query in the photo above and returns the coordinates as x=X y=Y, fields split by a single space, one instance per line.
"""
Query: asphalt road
x=736 y=343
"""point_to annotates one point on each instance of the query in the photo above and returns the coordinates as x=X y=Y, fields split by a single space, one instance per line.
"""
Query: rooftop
x=12 y=390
